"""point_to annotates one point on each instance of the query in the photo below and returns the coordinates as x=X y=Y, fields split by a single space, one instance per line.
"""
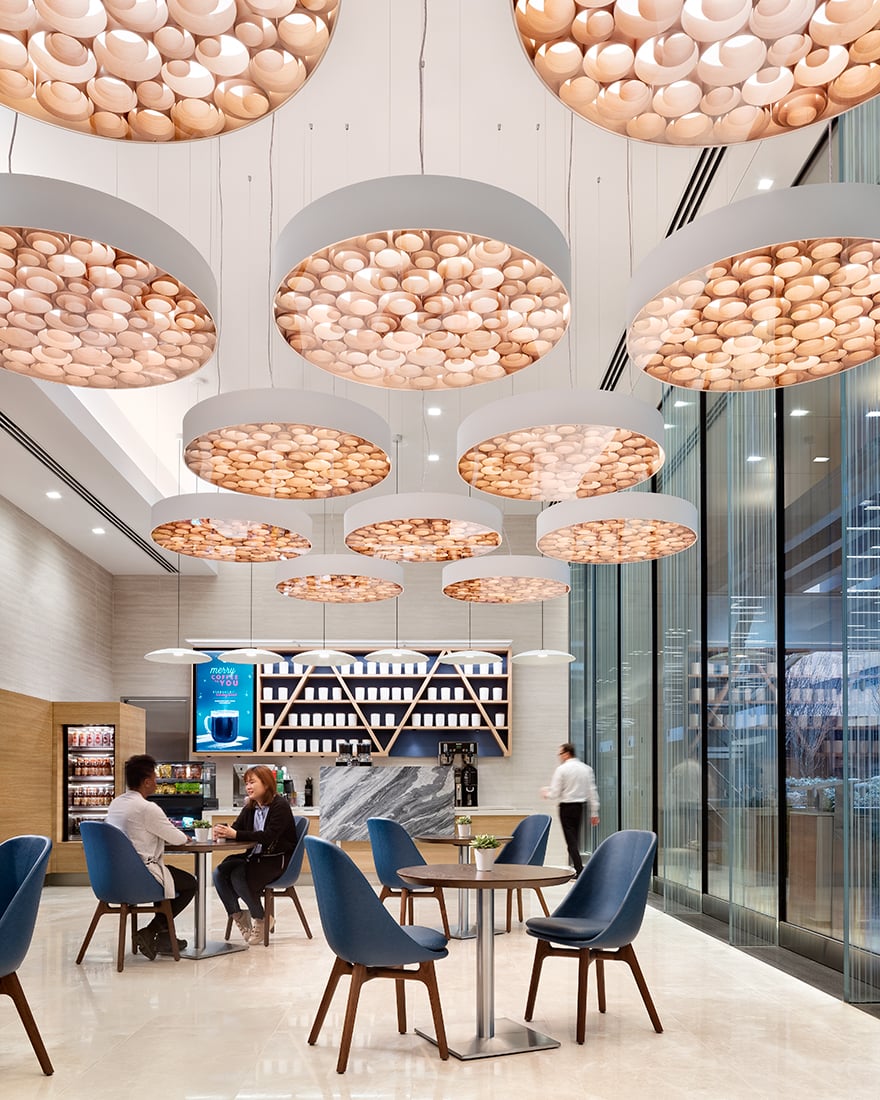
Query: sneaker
x=163 y=944
x=256 y=935
x=242 y=921
x=145 y=942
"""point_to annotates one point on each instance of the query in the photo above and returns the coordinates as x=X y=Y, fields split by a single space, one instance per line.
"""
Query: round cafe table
x=465 y=930
x=202 y=947
x=493 y=1036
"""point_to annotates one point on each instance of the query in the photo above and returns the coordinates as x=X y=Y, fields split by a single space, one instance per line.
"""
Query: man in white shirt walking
x=148 y=829
x=572 y=785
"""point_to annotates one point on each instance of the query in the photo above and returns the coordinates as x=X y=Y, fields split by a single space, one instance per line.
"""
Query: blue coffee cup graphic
x=222 y=725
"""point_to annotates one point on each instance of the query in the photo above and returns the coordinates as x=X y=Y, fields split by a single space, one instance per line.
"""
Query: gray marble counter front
x=421 y=799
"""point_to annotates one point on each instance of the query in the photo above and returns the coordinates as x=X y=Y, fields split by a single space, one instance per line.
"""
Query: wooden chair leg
x=519 y=905
x=358 y=977
x=429 y=975
x=268 y=915
x=99 y=912
x=583 y=976
x=541 y=900
x=403 y=897
x=629 y=956
x=400 y=994
x=340 y=967
x=411 y=916
x=509 y=910
x=10 y=985
x=294 y=897
x=542 y=950
x=442 y=901
x=120 y=947
x=600 y=982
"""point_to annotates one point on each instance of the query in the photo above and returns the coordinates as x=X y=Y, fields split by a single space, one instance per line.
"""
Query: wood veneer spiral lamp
x=95 y=292
x=618 y=529
x=775 y=290
x=151 y=70
x=423 y=527
x=508 y=579
x=288 y=444
x=704 y=72
x=421 y=283
x=560 y=444
x=230 y=527
x=339 y=578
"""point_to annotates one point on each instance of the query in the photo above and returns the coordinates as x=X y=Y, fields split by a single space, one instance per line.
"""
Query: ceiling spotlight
x=144 y=70
x=421 y=283
x=765 y=184
x=560 y=444
x=284 y=443
x=703 y=72
x=98 y=531
x=799 y=412
x=433 y=410
x=771 y=291
x=432 y=457
x=95 y=292
x=53 y=494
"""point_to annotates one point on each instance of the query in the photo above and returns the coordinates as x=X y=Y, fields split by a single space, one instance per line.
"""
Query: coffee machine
x=462 y=756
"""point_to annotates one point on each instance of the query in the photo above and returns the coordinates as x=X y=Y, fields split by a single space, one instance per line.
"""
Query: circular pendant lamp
x=94 y=292
x=339 y=578
x=542 y=657
x=423 y=527
x=230 y=527
x=178 y=656
x=704 y=72
x=147 y=70
x=516 y=578
x=421 y=283
x=560 y=444
x=250 y=655
x=774 y=290
x=289 y=444
x=616 y=530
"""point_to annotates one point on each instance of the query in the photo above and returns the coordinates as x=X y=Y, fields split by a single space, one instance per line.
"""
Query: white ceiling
x=485 y=115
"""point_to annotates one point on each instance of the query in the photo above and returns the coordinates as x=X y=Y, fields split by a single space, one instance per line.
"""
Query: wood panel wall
x=27 y=784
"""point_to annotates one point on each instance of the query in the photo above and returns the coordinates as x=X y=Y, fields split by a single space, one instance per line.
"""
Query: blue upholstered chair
x=368 y=944
x=23 y=862
x=393 y=847
x=284 y=886
x=122 y=884
x=527 y=846
x=599 y=918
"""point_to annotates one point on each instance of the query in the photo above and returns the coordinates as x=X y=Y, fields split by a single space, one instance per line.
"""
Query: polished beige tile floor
x=234 y=1028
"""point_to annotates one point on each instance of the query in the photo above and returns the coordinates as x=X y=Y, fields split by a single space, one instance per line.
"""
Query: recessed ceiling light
x=668 y=426
x=873 y=412
x=821 y=458
x=98 y=531
x=53 y=494
x=433 y=410
x=433 y=458
x=799 y=412
x=764 y=184
x=755 y=458
x=682 y=404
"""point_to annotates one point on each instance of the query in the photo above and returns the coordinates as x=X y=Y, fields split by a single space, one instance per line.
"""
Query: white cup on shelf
x=359 y=694
x=475 y=718
x=432 y=694
x=445 y=694
x=452 y=720
x=375 y=719
x=277 y=746
x=428 y=718
x=305 y=719
x=500 y=719
x=302 y=745
x=282 y=694
x=496 y=693
x=459 y=694
x=385 y=694
x=484 y=694
x=389 y=719
x=314 y=745
x=484 y=669
x=416 y=719
x=267 y=693
x=288 y=745
x=268 y=718
x=326 y=745
x=351 y=719
x=309 y=694
x=497 y=668
x=407 y=695
x=371 y=668
x=372 y=694
x=384 y=668
x=323 y=694
x=283 y=668
x=293 y=719
x=337 y=693
x=396 y=694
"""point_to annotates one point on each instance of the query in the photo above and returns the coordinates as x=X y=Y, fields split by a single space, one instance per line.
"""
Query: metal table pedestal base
x=509 y=1038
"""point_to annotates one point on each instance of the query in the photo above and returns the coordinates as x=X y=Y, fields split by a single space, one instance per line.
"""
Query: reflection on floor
x=235 y=1027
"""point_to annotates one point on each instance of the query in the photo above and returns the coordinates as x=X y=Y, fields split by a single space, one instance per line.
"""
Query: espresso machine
x=462 y=756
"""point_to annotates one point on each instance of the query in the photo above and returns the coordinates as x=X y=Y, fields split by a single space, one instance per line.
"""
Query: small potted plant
x=204 y=832
x=485 y=847
x=463 y=826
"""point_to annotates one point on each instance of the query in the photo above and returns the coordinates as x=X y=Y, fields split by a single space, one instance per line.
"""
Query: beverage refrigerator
x=185 y=789
x=89 y=774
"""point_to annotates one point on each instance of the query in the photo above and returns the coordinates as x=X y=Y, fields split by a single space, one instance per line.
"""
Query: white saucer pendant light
x=421 y=283
x=618 y=529
x=231 y=527
x=339 y=578
x=179 y=654
x=543 y=657
x=423 y=527
x=704 y=72
x=775 y=290
x=287 y=444
x=251 y=654
x=95 y=292
x=147 y=70
x=559 y=445
x=514 y=578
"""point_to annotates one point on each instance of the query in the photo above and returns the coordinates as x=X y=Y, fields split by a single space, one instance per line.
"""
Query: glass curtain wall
x=636 y=748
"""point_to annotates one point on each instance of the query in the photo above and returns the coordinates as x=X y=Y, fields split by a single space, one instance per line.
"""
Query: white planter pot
x=203 y=836
x=462 y=830
x=484 y=858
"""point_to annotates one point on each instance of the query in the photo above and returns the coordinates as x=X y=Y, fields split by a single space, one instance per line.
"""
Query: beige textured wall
x=57 y=606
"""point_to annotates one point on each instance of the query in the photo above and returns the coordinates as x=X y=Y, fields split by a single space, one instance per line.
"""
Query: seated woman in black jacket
x=266 y=822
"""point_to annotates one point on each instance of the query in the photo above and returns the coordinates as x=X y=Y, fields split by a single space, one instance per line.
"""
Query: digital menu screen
x=223 y=706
